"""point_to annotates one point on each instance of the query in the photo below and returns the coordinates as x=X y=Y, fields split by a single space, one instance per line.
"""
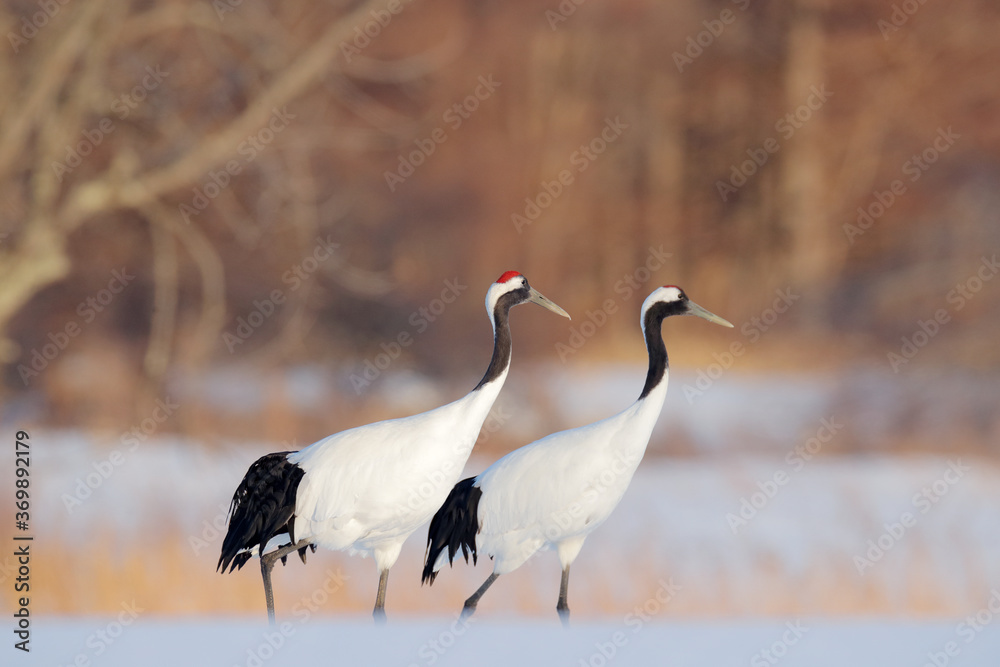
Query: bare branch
x=164 y=302
x=213 y=286
x=53 y=74
x=100 y=195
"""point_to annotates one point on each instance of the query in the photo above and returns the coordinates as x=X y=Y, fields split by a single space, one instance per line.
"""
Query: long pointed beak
x=695 y=309
x=536 y=297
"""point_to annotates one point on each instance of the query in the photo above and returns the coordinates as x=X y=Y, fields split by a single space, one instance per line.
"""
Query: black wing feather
x=454 y=527
x=263 y=506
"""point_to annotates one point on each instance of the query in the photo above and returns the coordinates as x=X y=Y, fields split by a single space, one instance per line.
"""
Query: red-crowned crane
x=557 y=490
x=368 y=488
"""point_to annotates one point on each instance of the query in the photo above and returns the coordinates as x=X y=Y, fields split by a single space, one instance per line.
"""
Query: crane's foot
x=470 y=605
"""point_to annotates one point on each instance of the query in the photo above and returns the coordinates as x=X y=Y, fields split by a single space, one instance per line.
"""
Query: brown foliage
x=355 y=115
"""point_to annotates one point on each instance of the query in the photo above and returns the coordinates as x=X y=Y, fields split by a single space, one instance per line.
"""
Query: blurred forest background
x=211 y=202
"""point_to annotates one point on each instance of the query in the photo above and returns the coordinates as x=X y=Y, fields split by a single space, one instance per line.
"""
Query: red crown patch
x=507 y=275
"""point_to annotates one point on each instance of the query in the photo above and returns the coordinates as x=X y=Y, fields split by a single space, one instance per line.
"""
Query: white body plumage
x=369 y=488
x=557 y=490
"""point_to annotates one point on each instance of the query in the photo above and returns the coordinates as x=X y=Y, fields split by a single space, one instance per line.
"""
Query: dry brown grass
x=165 y=577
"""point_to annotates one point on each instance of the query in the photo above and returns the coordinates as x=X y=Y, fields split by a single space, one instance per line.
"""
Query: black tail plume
x=263 y=506
x=454 y=525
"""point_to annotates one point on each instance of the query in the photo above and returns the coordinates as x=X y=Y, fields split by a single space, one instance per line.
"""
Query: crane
x=554 y=492
x=368 y=488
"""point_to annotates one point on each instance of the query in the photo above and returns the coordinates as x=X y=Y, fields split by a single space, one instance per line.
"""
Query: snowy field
x=764 y=544
x=333 y=640
x=708 y=411
x=749 y=535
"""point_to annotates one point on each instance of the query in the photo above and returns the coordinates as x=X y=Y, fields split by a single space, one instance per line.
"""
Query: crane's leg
x=267 y=562
x=470 y=605
x=379 y=611
x=563 y=606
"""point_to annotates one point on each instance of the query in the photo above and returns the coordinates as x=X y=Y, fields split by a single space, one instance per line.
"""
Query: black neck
x=501 y=339
x=654 y=343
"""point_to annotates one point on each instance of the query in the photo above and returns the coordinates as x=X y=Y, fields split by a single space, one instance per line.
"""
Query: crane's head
x=671 y=300
x=510 y=289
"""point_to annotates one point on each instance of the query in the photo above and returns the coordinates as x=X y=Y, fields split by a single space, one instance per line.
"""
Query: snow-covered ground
x=748 y=535
x=333 y=640
x=769 y=542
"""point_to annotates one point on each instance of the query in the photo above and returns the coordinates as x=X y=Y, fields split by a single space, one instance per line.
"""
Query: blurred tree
x=69 y=160
x=93 y=177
